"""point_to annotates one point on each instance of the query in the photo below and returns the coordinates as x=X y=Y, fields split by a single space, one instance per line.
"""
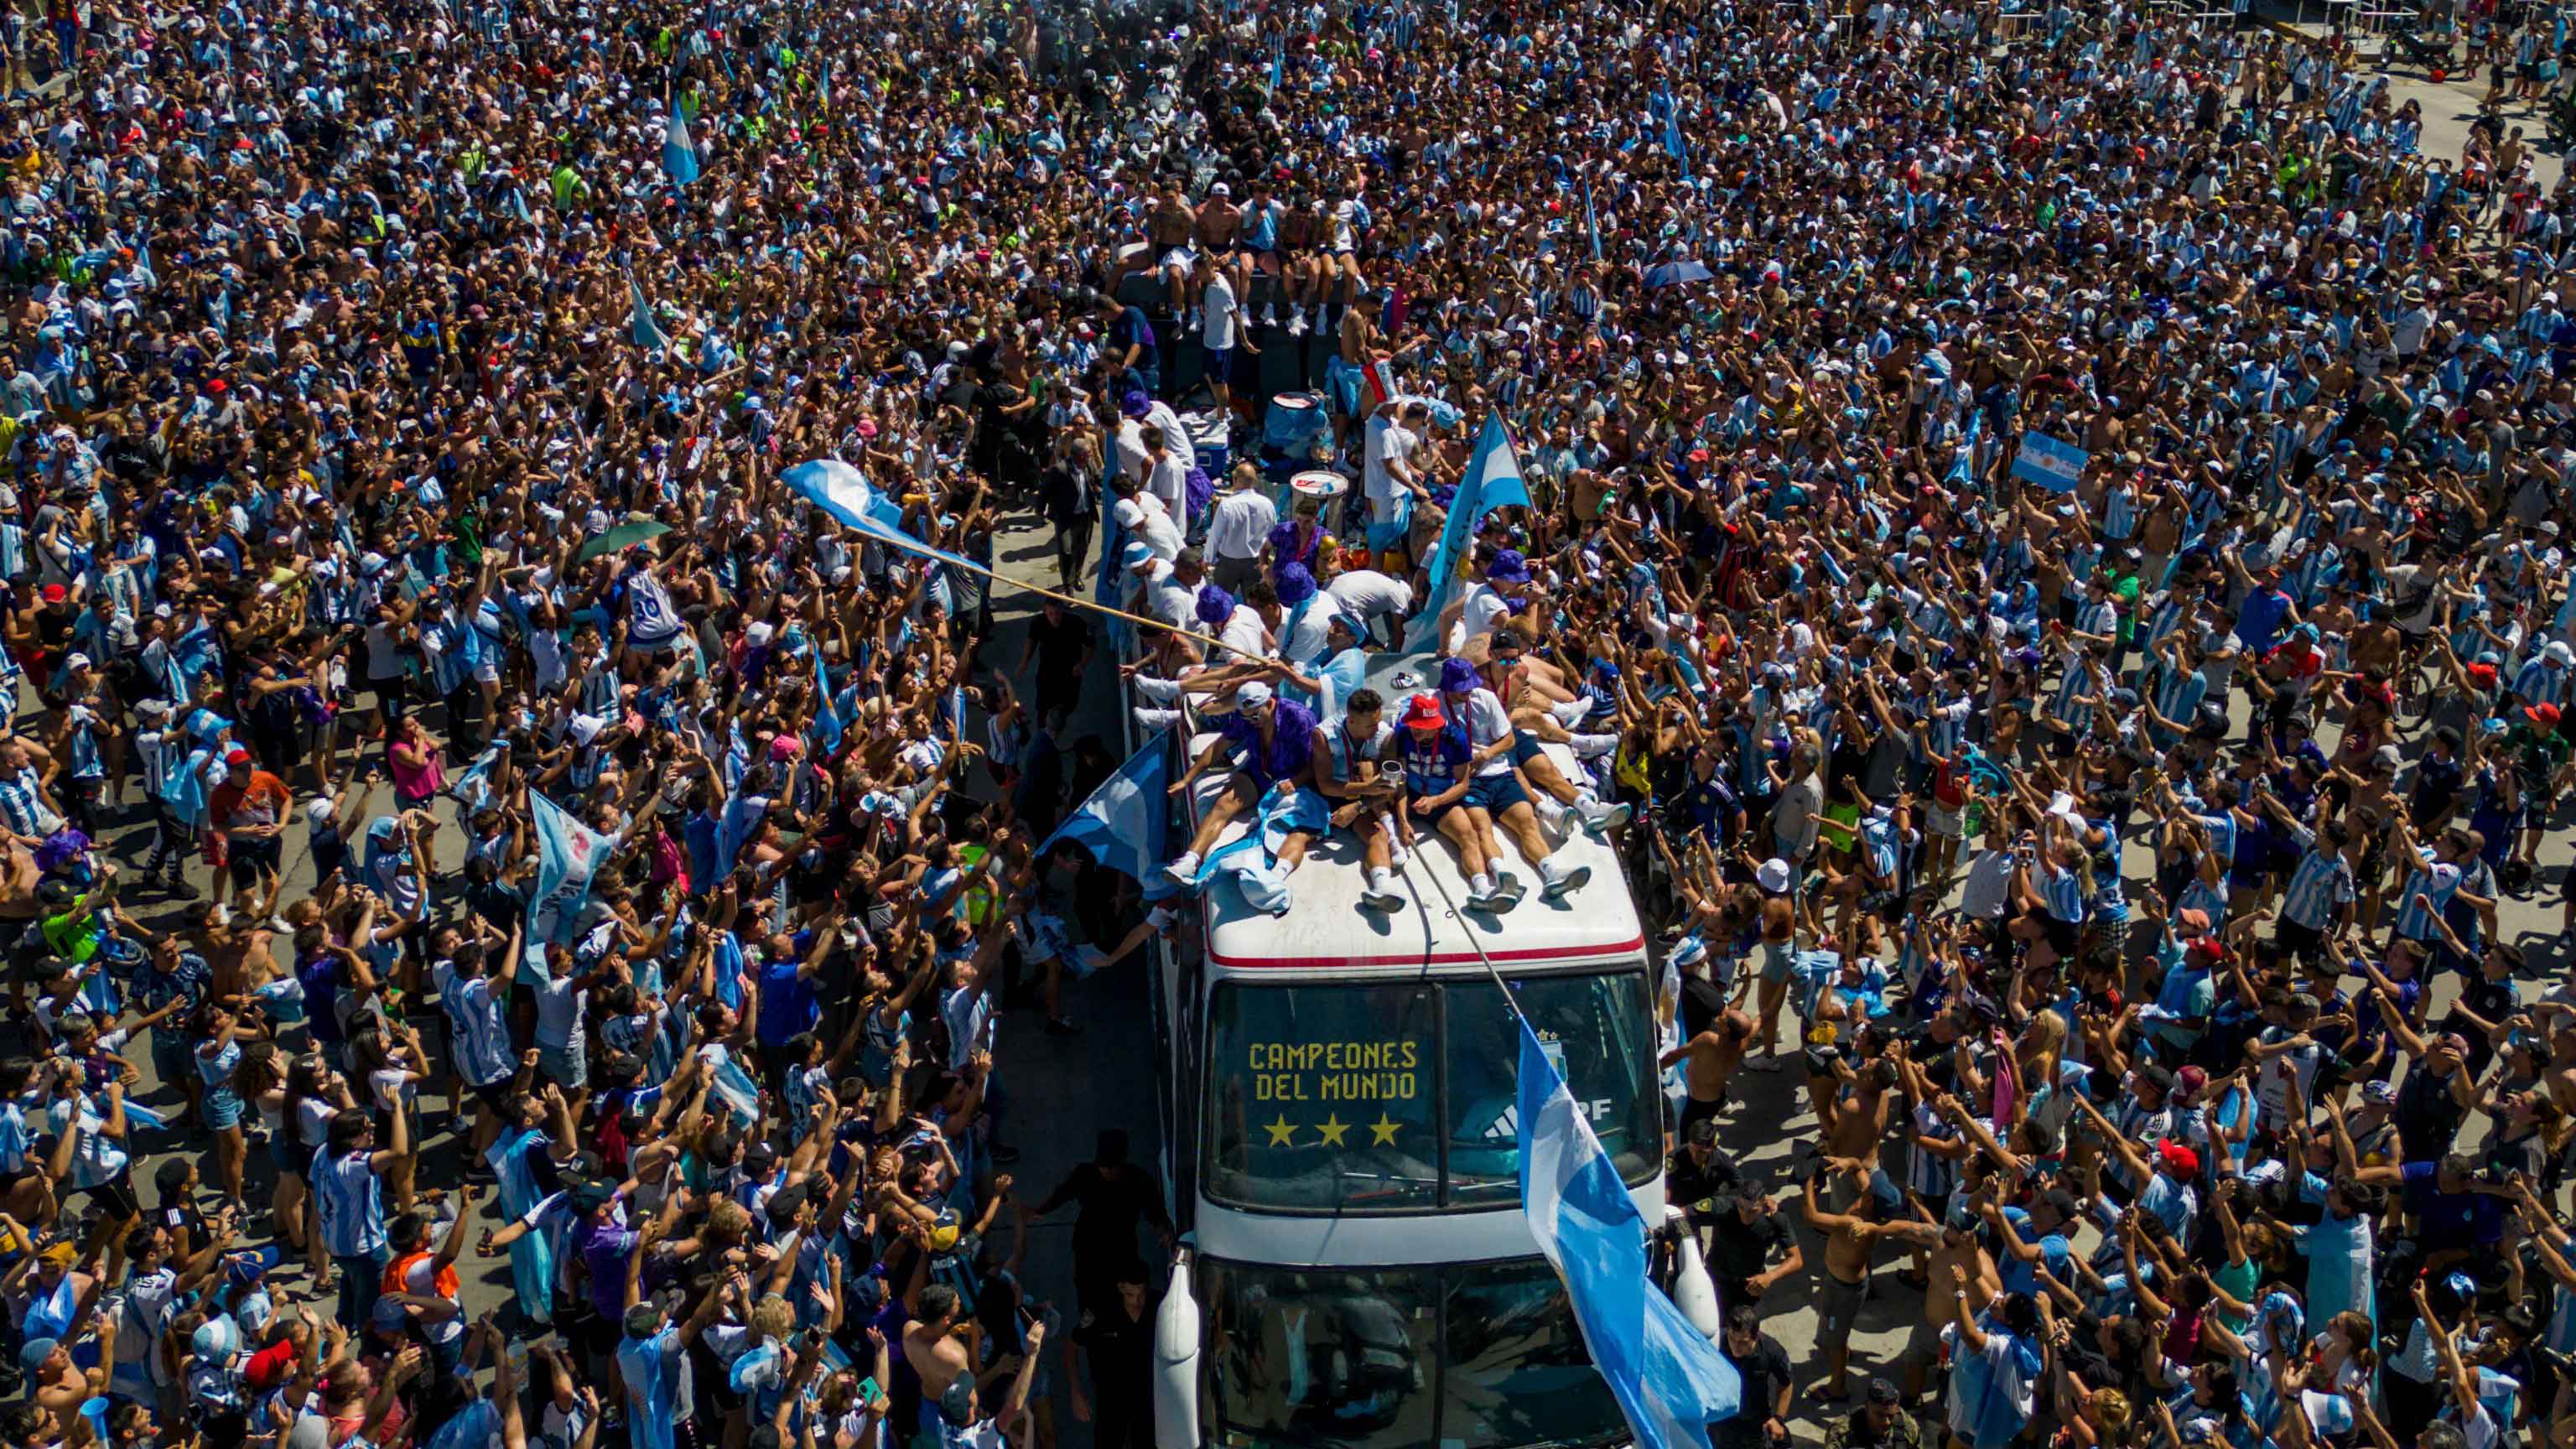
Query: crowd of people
x=2045 y=551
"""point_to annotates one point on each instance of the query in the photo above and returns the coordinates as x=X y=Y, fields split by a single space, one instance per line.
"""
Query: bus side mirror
x=1176 y=1361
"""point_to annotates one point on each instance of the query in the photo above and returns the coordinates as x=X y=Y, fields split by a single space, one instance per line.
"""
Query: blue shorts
x=1496 y=794
x=564 y=1067
x=1220 y=364
x=222 y=1107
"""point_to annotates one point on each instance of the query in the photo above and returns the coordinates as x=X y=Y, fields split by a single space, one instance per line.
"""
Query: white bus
x=1339 y=1100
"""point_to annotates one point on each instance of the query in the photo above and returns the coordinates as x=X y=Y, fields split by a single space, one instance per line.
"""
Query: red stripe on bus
x=1445 y=958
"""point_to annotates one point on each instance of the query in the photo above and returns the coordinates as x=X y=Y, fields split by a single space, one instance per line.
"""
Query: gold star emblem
x=1382 y=1131
x=1280 y=1131
x=1334 y=1130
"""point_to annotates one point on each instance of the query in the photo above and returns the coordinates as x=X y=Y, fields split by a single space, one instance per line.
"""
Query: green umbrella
x=633 y=531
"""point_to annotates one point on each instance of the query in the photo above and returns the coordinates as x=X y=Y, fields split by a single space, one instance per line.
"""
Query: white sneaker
x=1508 y=888
x=1573 y=712
x=1551 y=813
x=1196 y=320
x=1269 y=314
x=1601 y=819
x=1184 y=867
x=1384 y=902
x=1297 y=322
x=1558 y=883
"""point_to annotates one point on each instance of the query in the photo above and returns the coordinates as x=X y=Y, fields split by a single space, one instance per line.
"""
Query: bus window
x=1517 y=1371
x=1597 y=1030
x=1323 y=1359
x=1323 y=1097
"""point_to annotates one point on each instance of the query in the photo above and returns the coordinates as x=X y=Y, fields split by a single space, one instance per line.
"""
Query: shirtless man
x=1779 y=947
x=1850 y=1241
x=1359 y=334
x=1712 y=1058
x=1301 y=240
x=1167 y=235
x=1217 y=223
x=1953 y=1245
x=931 y=1343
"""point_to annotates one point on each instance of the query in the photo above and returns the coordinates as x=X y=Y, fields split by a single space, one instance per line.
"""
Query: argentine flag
x=647 y=333
x=679 y=158
x=1670 y=1380
x=845 y=493
x=1123 y=823
x=1493 y=481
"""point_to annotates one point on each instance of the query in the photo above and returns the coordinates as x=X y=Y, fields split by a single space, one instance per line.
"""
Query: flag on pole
x=1278 y=67
x=1670 y=1380
x=845 y=493
x=679 y=158
x=1590 y=223
x=1493 y=481
x=647 y=332
x=1123 y=823
x=1673 y=126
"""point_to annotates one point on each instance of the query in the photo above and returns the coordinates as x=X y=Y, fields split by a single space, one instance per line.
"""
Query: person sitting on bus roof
x=1348 y=748
x=1439 y=775
x=1271 y=740
x=1506 y=673
x=1497 y=789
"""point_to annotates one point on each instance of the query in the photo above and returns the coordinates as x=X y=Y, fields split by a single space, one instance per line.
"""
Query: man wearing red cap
x=248 y=813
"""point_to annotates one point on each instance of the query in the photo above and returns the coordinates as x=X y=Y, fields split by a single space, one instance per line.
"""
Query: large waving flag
x=845 y=493
x=1670 y=1380
x=1493 y=481
x=568 y=853
x=679 y=158
x=1123 y=823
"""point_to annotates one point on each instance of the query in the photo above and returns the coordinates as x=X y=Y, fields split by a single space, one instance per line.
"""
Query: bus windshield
x=1360 y=1097
x=1476 y=1355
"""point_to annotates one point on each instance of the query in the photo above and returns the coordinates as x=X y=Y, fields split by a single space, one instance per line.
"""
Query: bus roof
x=1325 y=929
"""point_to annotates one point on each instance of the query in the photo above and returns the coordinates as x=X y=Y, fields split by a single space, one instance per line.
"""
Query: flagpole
x=898 y=539
x=1473 y=931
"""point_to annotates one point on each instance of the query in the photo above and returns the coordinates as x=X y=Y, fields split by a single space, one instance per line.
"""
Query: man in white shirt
x=1236 y=625
x=1392 y=435
x=1366 y=595
x=1239 y=529
x=1129 y=445
x=1141 y=519
x=1225 y=333
x=1299 y=614
x=1172 y=590
x=1167 y=477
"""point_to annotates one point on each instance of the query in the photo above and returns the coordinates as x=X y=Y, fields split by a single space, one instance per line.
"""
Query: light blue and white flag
x=1124 y=822
x=2049 y=462
x=473 y=789
x=1493 y=481
x=679 y=158
x=568 y=852
x=827 y=720
x=733 y=1086
x=845 y=493
x=1670 y=1380
x=646 y=332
